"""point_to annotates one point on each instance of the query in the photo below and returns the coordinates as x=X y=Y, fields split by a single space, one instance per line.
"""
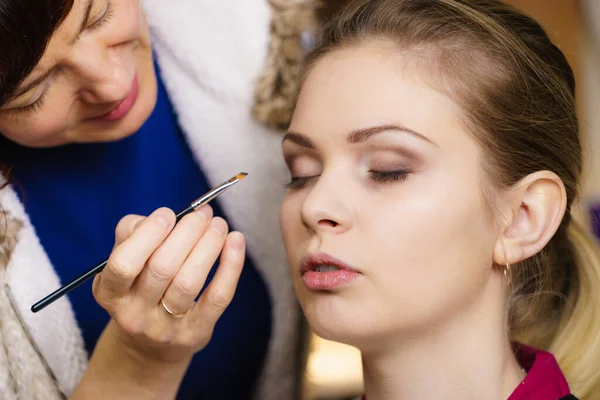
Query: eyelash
x=35 y=106
x=108 y=14
x=389 y=176
x=298 y=182
x=378 y=176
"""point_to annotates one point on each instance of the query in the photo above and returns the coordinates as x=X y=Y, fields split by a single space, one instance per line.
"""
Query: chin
x=332 y=318
x=363 y=334
x=352 y=333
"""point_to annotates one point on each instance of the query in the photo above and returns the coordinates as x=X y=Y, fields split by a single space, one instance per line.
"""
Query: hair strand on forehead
x=25 y=28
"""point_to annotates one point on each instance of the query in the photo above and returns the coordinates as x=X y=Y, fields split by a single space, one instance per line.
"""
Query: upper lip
x=311 y=261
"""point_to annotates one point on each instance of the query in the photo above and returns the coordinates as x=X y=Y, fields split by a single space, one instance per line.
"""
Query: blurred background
x=334 y=370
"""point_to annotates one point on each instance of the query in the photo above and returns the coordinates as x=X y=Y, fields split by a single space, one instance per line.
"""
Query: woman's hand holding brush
x=149 y=287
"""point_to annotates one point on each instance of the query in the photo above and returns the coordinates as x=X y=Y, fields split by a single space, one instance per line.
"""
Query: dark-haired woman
x=109 y=109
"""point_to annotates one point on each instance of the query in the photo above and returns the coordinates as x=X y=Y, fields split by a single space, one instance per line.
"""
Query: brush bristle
x=241 y=175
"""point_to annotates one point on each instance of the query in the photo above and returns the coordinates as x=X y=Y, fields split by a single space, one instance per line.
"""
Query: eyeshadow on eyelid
x=98 y=13
x=302 y=164
x=26 y=98
x=390 y=165
x=394 y=155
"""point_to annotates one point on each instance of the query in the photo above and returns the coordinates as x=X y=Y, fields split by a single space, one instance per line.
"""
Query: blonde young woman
x=435 y=156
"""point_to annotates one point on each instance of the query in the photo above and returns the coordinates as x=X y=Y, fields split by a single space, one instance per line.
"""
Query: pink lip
x=326 y=280
x=123 y=108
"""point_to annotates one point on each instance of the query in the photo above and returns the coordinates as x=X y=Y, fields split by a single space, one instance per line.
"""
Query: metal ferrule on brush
x=218 y=190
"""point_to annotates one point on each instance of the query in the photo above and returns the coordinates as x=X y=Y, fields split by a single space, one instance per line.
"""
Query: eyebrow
x=299 y=139
x=37 y=81
x=356 y=136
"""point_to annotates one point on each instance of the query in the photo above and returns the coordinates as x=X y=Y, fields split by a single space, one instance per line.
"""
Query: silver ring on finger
x=168 y=311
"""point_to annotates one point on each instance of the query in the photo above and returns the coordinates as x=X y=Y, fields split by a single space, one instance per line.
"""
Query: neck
x=467 y=357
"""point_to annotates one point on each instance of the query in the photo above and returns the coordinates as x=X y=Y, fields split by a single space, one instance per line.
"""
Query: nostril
x=328 y=222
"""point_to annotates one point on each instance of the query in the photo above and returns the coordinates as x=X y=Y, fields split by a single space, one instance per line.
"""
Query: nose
x=105 y=76
x=325 y=208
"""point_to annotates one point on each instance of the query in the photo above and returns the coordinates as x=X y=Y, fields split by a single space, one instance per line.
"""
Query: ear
x=538 y=203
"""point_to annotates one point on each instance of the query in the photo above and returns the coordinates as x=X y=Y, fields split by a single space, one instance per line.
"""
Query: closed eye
x=33 y=107
x=297 y=182
x=108 y=14
x=389 y=176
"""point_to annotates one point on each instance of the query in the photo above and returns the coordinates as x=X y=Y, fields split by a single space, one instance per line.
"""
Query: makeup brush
x=52 y=297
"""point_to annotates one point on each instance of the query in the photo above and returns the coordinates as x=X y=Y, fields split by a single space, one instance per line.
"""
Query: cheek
x=433 y=249
x=294 y=239
x=45 y=129
x=290 y=222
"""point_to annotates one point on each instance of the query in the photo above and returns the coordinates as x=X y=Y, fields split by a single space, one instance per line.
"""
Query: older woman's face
x=94 y=83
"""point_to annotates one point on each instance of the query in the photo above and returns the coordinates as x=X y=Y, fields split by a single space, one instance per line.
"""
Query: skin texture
x=144 y=352
x=428 y=309
x=91 y=73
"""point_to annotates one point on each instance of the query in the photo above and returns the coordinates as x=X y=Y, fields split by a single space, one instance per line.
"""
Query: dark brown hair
x=517 y=91
x=25 y=29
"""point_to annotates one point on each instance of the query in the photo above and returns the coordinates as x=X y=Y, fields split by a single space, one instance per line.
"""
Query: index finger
x=129 y=257
x=126 y=226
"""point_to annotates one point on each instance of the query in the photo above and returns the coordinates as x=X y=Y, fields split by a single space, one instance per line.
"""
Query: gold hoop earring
x=507 y=273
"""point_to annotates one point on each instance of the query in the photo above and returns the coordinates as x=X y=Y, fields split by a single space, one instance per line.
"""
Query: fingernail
x=205 y=212
x=163 y=216
x=218 y=225
x=236 y=240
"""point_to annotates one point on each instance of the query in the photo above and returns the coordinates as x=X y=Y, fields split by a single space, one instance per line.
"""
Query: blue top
x=595 y=216
x=76 y=194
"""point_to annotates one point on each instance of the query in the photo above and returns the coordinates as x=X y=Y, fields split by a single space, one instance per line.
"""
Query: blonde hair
x=517 y=90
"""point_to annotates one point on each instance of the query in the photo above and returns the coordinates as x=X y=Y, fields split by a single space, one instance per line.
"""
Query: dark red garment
x=544 y=380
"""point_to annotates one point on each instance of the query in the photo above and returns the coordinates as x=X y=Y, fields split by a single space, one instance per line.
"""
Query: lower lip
x=328 y=280
x=124 y=106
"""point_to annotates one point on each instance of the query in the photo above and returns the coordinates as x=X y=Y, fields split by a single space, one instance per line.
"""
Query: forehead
x=373 y=83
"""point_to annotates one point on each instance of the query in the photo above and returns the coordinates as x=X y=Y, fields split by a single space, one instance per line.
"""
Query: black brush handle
x=57 y=294
x=60 y=292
